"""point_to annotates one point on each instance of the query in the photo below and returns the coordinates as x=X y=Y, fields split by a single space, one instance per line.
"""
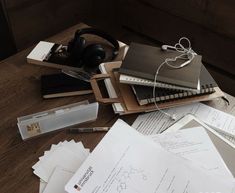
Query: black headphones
x=90 y=56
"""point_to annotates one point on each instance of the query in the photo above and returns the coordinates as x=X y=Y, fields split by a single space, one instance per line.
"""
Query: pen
x=88 y=130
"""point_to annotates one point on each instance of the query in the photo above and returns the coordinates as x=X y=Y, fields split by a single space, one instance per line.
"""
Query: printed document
x=127 y=162
x=156 y=122
x=194 y=144
x=58 y=180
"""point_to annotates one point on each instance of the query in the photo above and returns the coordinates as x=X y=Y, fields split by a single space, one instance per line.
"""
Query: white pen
x=88 y=129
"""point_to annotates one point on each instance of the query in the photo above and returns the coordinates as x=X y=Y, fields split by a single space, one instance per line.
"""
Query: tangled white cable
x=186 y=53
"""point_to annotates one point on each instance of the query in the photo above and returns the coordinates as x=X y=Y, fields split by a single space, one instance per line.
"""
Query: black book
x=144 y=94
x=142 y=61
x=61 y=85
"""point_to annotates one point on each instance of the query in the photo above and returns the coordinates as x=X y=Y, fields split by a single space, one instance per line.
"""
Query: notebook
x=126 y=79
x=144 y=94
x=142 y=61
x=61 y=85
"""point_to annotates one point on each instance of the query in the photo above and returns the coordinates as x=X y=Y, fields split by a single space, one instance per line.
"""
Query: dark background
x=7 y=46
x=209 y=25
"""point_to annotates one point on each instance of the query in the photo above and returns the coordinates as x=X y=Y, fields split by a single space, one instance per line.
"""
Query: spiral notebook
x=144 y=94
x=126 y=79
x=142 y=61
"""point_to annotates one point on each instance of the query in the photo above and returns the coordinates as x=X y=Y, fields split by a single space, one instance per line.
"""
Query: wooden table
x=20 y=95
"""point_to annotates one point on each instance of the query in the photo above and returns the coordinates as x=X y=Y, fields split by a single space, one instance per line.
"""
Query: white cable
x=186 y=54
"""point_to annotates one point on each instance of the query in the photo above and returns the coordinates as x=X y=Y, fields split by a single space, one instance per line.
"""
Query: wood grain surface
x=20 y=95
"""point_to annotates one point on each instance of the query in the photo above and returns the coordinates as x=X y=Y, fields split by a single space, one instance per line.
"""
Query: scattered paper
x=62 y=157
x=156 y=122
x=194 y=144
x=58 y=180
x=58 y=164
x=127 y=162
x=42 y=186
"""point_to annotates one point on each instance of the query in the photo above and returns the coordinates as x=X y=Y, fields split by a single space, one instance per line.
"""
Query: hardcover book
x=61 y=85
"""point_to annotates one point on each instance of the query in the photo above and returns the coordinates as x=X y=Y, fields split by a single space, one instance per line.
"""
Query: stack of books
x=140 y=65
x=129 y=82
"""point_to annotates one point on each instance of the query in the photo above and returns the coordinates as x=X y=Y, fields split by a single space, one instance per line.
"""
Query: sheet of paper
x=156 y=122
x=42 y=186
x=62 y=154
x=67 y=154
x=47 y=154
x=76 y=148
x=194 y=144
x=127 y=162
x=60 y=157
x=58 y=180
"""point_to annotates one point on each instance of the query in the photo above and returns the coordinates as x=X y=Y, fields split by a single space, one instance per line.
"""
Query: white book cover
x=41 y=51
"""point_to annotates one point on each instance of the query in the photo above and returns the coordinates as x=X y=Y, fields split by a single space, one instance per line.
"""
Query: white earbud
x=173 y=116
x=165 y=47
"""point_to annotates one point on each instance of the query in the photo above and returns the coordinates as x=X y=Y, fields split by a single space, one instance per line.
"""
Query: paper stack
x=58 y=165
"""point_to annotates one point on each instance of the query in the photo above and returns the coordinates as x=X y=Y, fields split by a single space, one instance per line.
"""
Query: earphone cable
x=186 y=54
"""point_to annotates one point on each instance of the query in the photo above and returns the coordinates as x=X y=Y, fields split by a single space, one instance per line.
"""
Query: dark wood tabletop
x=20 y=95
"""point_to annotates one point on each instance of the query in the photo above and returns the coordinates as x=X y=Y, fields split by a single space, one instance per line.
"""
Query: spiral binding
x=148 y=99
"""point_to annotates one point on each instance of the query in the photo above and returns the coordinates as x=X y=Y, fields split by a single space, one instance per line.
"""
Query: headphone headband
x=102 y=34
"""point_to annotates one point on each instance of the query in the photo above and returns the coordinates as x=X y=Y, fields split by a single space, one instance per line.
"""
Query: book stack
x=130 y=82
x=140 y=65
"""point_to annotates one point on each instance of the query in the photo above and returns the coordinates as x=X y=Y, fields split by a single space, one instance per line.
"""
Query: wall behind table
x=34 y=20
x=7 y=46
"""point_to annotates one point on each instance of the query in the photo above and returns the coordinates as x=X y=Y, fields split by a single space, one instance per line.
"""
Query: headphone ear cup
x=93 y=55
x=76 y=48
